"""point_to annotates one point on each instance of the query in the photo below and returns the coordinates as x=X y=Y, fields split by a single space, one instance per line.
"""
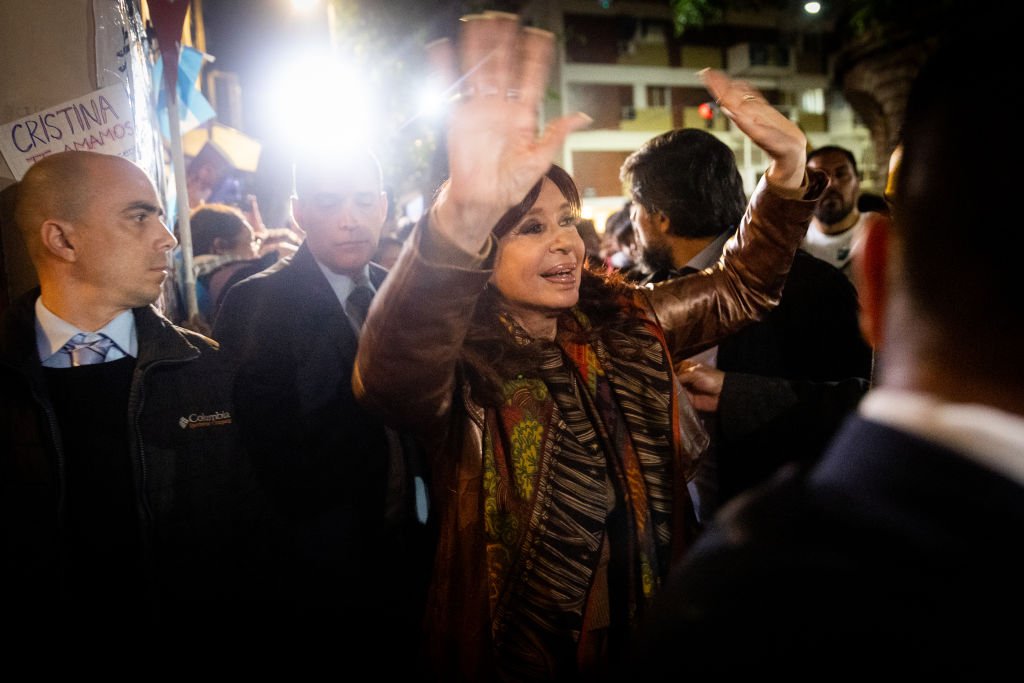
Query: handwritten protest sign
x=99 y=122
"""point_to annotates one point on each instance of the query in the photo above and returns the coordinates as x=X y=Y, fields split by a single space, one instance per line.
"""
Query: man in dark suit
x=337 y=476
x=688 y=199
x=898 y=556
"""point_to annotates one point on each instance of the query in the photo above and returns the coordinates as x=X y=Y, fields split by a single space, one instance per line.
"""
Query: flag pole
x=181 y=190
x=168 y=17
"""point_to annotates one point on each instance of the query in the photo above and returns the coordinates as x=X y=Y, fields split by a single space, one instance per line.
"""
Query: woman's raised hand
x=495 y=154
x=765 y=125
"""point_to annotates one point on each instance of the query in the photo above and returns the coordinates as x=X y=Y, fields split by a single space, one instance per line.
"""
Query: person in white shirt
x=838 y=225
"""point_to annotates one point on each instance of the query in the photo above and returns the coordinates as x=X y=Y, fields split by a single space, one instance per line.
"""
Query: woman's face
x=540 y=260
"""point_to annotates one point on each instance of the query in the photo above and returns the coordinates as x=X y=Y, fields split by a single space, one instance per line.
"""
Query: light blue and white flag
x=194 y=109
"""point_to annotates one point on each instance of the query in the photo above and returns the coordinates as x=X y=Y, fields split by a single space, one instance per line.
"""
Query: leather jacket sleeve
x=412 y=339
x=696 y=311
x=411 y=342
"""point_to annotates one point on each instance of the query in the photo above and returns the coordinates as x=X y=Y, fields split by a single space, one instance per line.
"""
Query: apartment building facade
x=623 y=64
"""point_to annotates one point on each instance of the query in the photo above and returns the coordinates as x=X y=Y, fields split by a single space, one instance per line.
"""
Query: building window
x=658 y=96
x=813 y=101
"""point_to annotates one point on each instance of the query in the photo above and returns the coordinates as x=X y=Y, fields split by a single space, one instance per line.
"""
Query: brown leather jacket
x=408 y=369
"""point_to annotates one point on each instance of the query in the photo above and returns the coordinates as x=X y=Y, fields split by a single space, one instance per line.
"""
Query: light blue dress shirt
x=53 y=332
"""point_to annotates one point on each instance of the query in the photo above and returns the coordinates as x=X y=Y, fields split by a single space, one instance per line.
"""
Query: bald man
x=125 y=502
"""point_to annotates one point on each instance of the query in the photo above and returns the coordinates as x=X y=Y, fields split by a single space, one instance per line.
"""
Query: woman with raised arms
x=559 y=440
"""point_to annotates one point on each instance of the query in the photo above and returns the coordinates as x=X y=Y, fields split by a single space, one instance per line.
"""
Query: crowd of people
x=741 y=435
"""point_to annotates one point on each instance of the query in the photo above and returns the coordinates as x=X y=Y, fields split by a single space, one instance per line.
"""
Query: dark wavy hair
x=490 y=352
x=690 y=176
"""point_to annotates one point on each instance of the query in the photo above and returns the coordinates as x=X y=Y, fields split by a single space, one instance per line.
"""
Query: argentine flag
x=194 y=109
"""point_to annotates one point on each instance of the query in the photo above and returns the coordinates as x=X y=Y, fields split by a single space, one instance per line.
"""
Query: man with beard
x=766 y=401
x=837 y=224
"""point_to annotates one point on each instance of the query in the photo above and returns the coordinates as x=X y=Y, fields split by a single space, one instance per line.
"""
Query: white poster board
x=101 y=121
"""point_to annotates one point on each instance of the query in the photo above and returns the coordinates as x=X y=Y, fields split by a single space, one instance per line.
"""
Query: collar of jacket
x=159 y=339
x=304 y=260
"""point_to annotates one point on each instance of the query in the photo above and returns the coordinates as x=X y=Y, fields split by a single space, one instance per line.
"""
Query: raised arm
x=413 y=336
x=765 y=125
x=746 y=283
x=494 y=152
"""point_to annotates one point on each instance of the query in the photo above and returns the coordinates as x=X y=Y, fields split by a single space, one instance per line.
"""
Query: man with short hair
x=337 y=476
x=688 y=199
x=898 y=556
x=126 y=503
x=838 y=224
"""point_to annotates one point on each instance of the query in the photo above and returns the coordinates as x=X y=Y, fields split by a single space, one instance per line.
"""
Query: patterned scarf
x=587 y=440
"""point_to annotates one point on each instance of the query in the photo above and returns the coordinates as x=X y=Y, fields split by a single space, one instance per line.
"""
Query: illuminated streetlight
x=812 y=7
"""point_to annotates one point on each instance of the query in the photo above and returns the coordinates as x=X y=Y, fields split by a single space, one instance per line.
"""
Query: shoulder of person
x=262 y=306
x=816 y=277
x=154 y=328
x=257 y=286
x=767 y=511
x=202 y=342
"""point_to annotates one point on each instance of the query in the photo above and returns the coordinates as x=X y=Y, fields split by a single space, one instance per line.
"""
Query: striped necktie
x=87 y=349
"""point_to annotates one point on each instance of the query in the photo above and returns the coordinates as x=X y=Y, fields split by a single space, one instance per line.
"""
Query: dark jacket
x=201 y=516
x=896 y=555
x=217 y=282
x=324 y=460
x=813 y=334
x=791 y=379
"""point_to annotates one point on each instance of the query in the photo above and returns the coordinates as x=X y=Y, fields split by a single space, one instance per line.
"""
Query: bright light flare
x=812 y=7
x=432 y=101
x=321 y=103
